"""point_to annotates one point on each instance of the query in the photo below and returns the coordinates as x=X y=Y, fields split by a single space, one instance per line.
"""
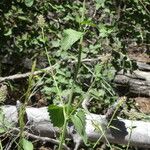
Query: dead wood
x=143 y=66
x=137 y=133
x=137 y=83
x=25 y=75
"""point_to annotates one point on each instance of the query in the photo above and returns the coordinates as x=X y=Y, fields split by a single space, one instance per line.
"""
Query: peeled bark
x=137 y=133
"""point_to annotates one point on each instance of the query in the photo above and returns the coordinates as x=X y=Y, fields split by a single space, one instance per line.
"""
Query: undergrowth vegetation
x=85 y=43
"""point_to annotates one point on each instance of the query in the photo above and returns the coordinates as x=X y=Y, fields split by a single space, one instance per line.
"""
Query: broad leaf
x=29 y=3
x=56 y=115
x=27 y=145
x=69 y=38
x=78 y=120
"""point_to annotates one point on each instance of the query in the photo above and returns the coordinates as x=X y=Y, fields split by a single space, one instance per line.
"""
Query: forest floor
x=38 y=100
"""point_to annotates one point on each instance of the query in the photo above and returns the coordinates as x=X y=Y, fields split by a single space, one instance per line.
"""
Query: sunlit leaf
x=27 y=145
x=100 y=3
x=29 y=3
x=70 y=36
x=89 y=23
x=79 y=122
x=9 y=32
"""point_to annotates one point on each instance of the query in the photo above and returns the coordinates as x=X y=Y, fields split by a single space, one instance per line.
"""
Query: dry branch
x=39 y=138
x=135 y=132
x=25 y=75
x=141 y=66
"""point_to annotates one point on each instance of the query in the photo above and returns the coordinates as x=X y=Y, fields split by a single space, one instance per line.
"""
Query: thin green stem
x=52 y=73
x=62 y=137
x=67 y=110
x=100 y=128
x=131 y=129
x=22 y=109
x=79 y=60
x=63 y=134
x=80 y=45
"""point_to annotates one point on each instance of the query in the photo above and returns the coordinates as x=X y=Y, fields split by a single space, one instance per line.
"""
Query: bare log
x=137 y=83
x=143 y=66
x=137 y=133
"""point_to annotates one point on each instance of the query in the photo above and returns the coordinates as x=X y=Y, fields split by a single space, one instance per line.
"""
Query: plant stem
x=22 y=109
x=79 y=59
x=49 y=62
x=56 y=85
x=63 y=134
x=67 y=110
x=80 y=45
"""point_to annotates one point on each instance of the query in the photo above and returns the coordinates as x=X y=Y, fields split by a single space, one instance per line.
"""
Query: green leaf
x=48 y=90
x=100 y=3
x=1 y=147
x=78 y=120
x=27 y=145
x=56 y=115
x=55 y=43
x=89 y=23
x=9 y=32
x=29 y=3
x=104 y=30
x=69 y=38
x=22 y=18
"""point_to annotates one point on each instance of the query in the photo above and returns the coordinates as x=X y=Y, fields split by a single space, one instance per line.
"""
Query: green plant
x=70 y=37
x=23 y=143
x=93 y=46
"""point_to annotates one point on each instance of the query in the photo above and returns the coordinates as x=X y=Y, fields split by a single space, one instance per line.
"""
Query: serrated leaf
x=70 y=36
x=29 y=3
x=27 y=145
x=79 y=122
x=56 y=115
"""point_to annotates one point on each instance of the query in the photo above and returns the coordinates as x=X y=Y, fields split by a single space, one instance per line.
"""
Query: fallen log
x=143 y=66
x=137 y=83
x=136 y=133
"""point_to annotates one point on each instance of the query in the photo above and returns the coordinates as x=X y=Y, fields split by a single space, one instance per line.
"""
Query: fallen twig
x=24 y=75
x=142 y=66
x=43 y=139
